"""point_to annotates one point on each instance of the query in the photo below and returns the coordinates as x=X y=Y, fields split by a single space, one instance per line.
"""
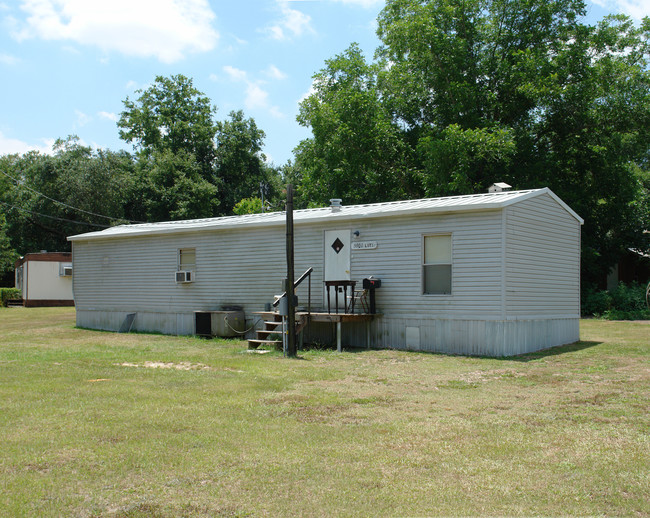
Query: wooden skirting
x=38 y=303
x=340 y=317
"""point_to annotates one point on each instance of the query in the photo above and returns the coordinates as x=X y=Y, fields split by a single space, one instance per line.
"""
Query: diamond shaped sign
x=337 y=245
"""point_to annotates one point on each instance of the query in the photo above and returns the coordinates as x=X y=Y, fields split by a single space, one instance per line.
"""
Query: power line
x=17 y=182
x=53 y=217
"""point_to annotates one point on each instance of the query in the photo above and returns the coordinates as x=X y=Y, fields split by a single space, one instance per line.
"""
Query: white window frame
x=449 y=263
x=188 y=266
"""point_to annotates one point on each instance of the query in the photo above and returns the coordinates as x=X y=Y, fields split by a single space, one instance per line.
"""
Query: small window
x=187 y=259
x=436 y=270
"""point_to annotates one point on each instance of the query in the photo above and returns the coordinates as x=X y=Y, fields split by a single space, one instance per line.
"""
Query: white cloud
x=275 y=73
x=165 y=29
x=636 y=9
x=293 y=23
x=362 y=3
x=240 y=41
x=108 y=116
x=235 y=74
x=311 y=91
x=133 y=85
x=9 y=146
x=275 y=112
x=256 y=97
x=6 y=59
x=82 y=118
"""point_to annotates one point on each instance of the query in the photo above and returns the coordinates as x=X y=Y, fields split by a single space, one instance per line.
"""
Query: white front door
x=337 y=261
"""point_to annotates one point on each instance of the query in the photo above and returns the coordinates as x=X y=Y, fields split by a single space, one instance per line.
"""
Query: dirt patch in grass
x=182 y=366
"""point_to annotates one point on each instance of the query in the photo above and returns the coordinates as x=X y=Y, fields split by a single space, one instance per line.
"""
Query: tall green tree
x=355 y=152
x=477 y=91
x=171 y=115
x=171 y=187
x=8 y=254
x=172 y=127
x=240 y=168
x=46 y=198
x=189 y=164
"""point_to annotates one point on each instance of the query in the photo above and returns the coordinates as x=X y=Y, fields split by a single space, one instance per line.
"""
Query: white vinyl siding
x=239 y=274
x=542 y=260
x=397 y=261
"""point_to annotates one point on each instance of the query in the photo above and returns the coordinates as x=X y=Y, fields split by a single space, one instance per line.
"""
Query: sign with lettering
x=364 y=245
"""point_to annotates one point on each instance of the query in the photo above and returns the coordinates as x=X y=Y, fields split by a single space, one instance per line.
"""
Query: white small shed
x=45 y=279
x=493 y=274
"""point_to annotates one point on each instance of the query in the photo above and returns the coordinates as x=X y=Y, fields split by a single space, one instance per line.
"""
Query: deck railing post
x=289 y=288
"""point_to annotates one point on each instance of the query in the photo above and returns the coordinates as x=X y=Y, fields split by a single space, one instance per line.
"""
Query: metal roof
x=448 y=204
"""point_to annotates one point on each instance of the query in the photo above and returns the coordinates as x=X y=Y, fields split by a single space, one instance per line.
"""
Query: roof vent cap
x=499 y=187
x=335 y=204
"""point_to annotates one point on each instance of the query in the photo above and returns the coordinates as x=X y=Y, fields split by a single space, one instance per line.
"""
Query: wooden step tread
x=273 y=323
x=262 y=341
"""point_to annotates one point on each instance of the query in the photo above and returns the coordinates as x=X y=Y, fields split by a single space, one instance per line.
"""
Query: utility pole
x=291 y=318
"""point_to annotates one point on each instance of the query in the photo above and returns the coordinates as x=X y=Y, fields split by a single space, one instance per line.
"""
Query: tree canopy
x=465 y=93
x=44 y=199
x=190 y=165
x=356 y=151
x=240 y=169
x=171 y=115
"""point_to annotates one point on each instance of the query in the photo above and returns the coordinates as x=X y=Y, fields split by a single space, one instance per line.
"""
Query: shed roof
x=448 y=204
x=61 y=257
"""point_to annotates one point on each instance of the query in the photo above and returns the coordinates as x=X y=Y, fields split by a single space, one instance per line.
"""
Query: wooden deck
x=337 y=317
x=302 y=317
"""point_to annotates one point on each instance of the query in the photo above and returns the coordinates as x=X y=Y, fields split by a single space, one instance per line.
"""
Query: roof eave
x=317 y=218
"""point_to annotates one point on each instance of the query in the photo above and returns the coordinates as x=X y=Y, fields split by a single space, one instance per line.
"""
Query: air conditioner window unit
x=184 y=276
x=67 y=271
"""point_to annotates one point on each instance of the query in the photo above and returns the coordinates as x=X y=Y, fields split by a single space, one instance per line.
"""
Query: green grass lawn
x=104 y=424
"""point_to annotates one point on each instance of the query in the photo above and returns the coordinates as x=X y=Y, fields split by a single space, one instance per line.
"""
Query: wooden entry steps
x=271 y=334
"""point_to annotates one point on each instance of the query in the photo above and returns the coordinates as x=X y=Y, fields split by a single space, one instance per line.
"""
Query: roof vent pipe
x=335 y=204
x=499 y=187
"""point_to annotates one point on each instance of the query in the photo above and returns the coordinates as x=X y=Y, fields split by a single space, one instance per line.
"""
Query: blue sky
x=67 y=65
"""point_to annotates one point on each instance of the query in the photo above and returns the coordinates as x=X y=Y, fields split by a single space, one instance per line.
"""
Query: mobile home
x=45 y=279
x=493 y=274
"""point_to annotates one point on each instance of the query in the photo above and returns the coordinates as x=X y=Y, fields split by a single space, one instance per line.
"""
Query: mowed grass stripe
x=105 y=424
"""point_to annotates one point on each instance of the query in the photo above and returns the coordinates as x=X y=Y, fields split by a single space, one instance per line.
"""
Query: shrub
x=614 y=314
x=629 y=297
x=596 y=302
x=9 y=294
x=625 y=302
